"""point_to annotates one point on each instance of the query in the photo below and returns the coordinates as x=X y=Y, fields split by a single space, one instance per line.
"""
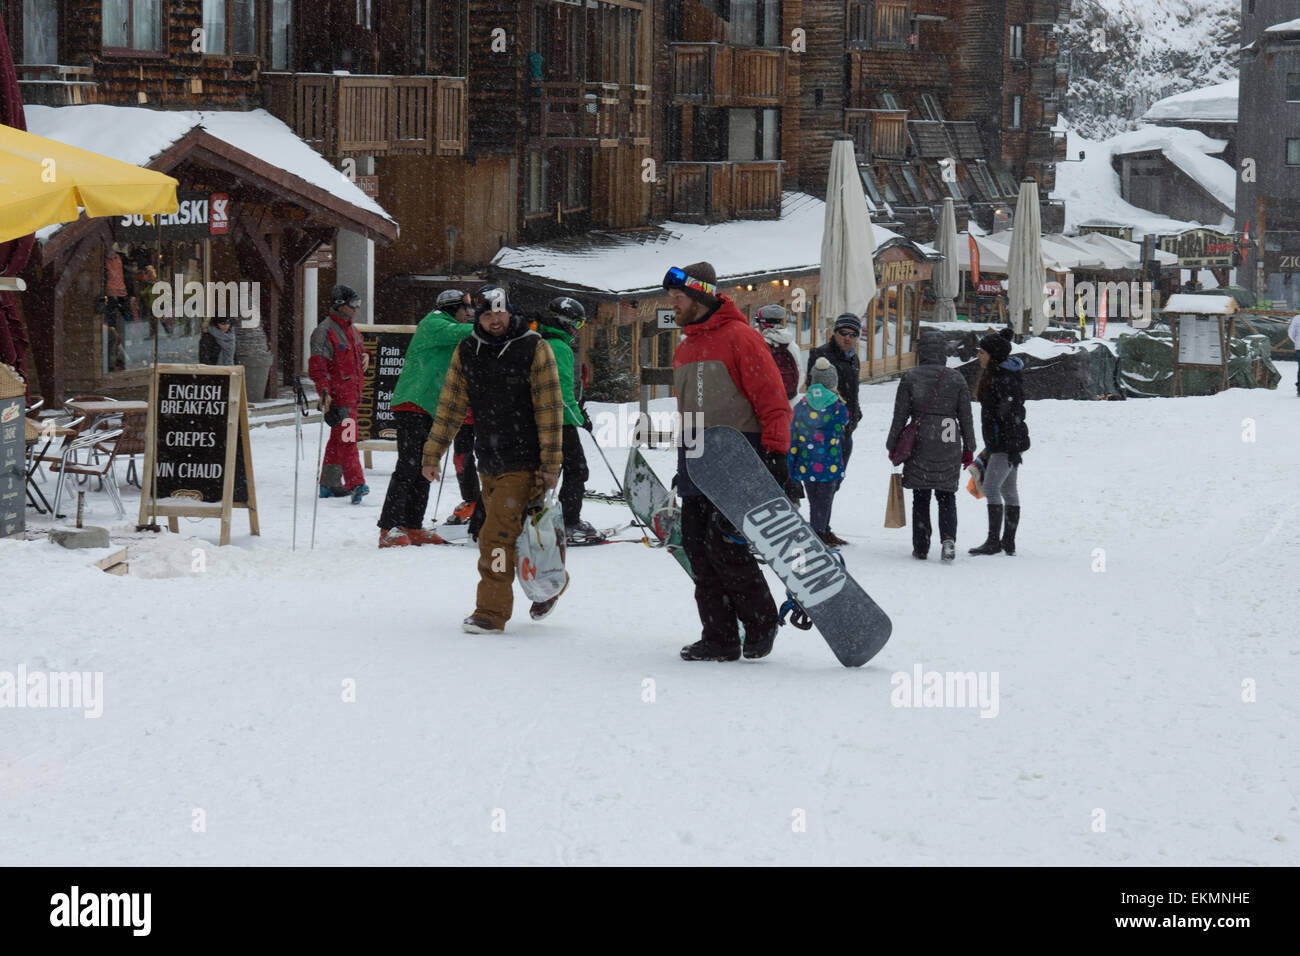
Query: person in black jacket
x=937 y=399
x=217 y=344
x=842 y=352
x=1002 y=420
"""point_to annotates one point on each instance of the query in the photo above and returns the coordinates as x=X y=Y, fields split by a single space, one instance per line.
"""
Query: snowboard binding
x=792 y=609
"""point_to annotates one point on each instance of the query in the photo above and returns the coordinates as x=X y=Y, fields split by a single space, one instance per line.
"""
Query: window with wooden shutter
x=891 y=24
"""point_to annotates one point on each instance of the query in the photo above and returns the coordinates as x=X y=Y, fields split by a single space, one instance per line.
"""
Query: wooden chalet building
x=487 y=123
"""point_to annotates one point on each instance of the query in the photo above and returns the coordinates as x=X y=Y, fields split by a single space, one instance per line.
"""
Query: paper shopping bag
x=895 y=510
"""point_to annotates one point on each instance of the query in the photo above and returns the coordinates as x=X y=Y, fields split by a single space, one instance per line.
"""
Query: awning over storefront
x=1091 y=252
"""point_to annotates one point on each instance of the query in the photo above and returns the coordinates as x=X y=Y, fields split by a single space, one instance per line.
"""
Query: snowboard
x=654 y=506
x=733 y=476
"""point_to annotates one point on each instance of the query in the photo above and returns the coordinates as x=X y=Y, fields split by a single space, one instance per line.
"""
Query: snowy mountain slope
x=1127 y=54
x=1152 y=583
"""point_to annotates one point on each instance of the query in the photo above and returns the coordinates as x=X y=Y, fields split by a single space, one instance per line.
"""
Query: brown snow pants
x=505 y=497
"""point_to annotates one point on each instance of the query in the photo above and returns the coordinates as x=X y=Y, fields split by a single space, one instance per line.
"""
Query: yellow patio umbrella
x=43 y=181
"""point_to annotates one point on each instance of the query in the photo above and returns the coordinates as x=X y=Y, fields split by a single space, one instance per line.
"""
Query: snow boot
x=706 y=651
x=759 y=645
x=475 y=624
x=949 y=550
x=1009 y=532
x=993 y=544
x=327 y=492
x=419 y=536
x=462 y=513
x=921 y=555
x=393 y=538
x=359 y=492
x=833 y=539
x=582 y=532
x=540 y=609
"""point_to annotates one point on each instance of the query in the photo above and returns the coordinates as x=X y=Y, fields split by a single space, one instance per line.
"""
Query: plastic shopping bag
x=539 y=552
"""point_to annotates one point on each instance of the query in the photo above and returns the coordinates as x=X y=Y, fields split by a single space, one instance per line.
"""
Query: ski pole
x=442 y=476
x=299 y=403
x=316 y=498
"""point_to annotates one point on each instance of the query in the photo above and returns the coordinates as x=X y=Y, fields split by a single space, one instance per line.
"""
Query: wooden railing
x=1046 y=147
x=888 y=134
x=1042 y=79
x=857 y=123
x=608 y=113
x=52 y=84
x=877 y=134
x=1049 y=11
x=371 y=115
x=714 y=74
x=715 y=192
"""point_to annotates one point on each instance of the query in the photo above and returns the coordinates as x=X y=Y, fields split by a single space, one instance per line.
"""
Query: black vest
x=498 y=379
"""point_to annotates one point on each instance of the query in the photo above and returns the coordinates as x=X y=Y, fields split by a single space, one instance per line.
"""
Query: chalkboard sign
x=386 y=345
x=13 y=474
x=197 y=454
x=190 y=457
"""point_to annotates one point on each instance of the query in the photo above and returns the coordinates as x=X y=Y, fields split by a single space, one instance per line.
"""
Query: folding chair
x=134 y=425
x=103 y=442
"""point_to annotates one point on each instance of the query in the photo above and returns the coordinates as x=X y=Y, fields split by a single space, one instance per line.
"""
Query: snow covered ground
x=1145 y=713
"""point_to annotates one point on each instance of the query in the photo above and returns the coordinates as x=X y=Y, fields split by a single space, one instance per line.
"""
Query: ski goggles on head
x=675 y=278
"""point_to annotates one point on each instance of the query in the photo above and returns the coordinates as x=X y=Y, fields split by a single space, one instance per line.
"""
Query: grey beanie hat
x=824 y=374
x=773 y=314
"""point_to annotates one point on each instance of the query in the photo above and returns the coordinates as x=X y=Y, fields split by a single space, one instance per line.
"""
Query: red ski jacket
x=724 y=371
x=335 y=364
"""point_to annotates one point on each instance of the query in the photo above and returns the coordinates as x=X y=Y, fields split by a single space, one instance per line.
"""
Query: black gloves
x=777 y=466
x=586 y=422
x=1013 y=458
x=336 y=415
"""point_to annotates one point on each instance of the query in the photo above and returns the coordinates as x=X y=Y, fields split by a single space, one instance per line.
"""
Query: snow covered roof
x=1120 y=253
x=1201 y=304
x=1210 y=104
x=1091 y=188
x=137 y=135
x=624 y=263
x=1290 y=26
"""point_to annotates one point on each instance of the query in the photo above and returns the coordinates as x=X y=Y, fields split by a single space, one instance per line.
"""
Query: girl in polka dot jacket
x=816 y=446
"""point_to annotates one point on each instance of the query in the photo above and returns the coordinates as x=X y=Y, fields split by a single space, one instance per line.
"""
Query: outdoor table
x=34 y=433
x=93 y=411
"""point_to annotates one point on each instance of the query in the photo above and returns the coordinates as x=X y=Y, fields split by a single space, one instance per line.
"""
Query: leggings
x=1000 y=481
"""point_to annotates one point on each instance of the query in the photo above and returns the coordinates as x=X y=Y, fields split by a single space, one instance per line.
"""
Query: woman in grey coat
x=938 y=399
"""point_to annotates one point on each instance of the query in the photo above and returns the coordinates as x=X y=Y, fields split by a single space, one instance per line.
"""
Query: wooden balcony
x=371 y=115
x=877 y=134
x=1046 y=147
x=52 y=84
x=587 y=114
x=1049 y=12
x=1042 y=79
x=1051 y=110
x=716 y=192
x=714 y=74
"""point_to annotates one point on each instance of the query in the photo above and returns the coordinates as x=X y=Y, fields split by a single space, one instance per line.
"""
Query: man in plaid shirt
x=507 y=373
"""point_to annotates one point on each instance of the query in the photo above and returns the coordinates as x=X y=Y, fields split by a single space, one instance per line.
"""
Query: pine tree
x=612 y=375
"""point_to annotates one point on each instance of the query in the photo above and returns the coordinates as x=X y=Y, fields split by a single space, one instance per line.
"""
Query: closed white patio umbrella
x=1026 y=277
x=848 y=272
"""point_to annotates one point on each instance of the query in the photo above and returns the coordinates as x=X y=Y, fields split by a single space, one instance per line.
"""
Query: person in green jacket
x=563 y=317
x=414 y=402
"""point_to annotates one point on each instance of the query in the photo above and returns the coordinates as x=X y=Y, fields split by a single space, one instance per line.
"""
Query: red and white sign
x=219 y=222
x=988 y=287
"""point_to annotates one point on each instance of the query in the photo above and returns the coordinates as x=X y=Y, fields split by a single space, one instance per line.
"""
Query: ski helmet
x=565 y=314
x=345 y=295
x=449 y=300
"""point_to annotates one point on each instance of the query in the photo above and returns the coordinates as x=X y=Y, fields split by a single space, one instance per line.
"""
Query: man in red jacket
x=724 y=374
x=338 y=363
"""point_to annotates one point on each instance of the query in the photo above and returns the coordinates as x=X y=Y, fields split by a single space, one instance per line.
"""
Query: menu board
x=386 y=345
x=193 y=414
x=13 y=457
x=1199 y=340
